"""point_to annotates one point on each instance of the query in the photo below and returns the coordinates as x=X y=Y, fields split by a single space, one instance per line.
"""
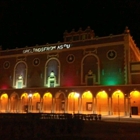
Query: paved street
x=133 y=119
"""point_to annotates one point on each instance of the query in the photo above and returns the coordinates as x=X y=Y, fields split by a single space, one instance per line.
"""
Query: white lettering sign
x=50 y=48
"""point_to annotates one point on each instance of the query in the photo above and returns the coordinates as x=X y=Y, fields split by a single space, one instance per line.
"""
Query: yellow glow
x=47 y=95
x=87 y=94
x=36 y=95
x=73 y=95
x=135 y=94
x=25 y=95
x=102 y=94
x=117 y=94
x=3 y=96
x=76 y=95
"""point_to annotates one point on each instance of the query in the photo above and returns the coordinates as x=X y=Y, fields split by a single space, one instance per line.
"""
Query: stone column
x=125 y=106
x=95 y=108
x=8 y=106
x=66 y=105
x=111 y=113
x=0 y=104
x=53 y=105
x=78 y=105
x=81 y=105
x=93 y=105
x=18 y=105
x=42 y=105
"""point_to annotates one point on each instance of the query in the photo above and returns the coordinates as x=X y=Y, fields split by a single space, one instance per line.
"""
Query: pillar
x=53 y=105
x=95 y=108
x=125 y=106
x=111 y=113
x=108 y=104
x=66 y=105
x=81 y=105
x=93 y=105
x=8 y=106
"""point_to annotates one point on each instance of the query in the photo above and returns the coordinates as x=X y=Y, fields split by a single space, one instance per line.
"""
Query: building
x=84 y=74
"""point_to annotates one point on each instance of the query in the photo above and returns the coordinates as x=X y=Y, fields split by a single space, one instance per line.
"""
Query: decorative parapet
x=79 y=35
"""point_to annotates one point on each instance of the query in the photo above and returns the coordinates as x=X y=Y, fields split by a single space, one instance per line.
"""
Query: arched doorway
x=102 y=103
x=73 y=102
x=135 y=102
x=118 y=103
x=47 y=102
x=4 y=103
x=87 y=102
x=34 y=102
x=24 y=102
x=59 y=102
x=14 y=103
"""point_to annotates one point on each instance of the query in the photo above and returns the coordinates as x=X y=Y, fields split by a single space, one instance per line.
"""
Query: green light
x=112 y=80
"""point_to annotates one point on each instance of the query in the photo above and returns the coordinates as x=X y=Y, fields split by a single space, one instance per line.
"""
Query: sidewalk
x=113 y=118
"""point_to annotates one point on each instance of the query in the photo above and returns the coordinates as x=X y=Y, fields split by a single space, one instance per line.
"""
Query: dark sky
x=30 y=22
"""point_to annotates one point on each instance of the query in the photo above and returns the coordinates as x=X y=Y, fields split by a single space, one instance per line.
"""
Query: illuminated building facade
x=84 y=74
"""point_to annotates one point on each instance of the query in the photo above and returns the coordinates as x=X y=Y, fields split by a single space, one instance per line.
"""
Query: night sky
x=30 y=22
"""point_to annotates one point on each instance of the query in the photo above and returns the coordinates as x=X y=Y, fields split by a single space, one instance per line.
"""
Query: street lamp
x=76 y=95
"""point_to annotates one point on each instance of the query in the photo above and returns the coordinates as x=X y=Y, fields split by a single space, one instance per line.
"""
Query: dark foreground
x=69 y=129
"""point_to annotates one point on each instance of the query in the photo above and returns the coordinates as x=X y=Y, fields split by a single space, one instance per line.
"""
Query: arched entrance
x=4 y=103
x=87 y=102
x=14 y=103
x=59 y=103
x=34 y=102
x=47 y=102
x=118 y=103
x=102 y=103
x=135 y=103
x=24 y=102
x=73 y=102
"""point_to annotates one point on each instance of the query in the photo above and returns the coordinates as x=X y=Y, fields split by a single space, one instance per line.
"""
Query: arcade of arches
x=86 y=103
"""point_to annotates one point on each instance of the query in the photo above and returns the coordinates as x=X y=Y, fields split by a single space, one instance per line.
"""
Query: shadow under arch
x=118 y=103
x=87 y=102
x=4 y=103
x=59 y=102
x=134 y=101
x=14 y=99
x=102 y=103
x=47 y=103
x=24 y=102
x=34 y=102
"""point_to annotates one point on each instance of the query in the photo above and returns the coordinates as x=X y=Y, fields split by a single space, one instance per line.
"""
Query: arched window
x=52 y=73
x=90 y=71
x=20 y=75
